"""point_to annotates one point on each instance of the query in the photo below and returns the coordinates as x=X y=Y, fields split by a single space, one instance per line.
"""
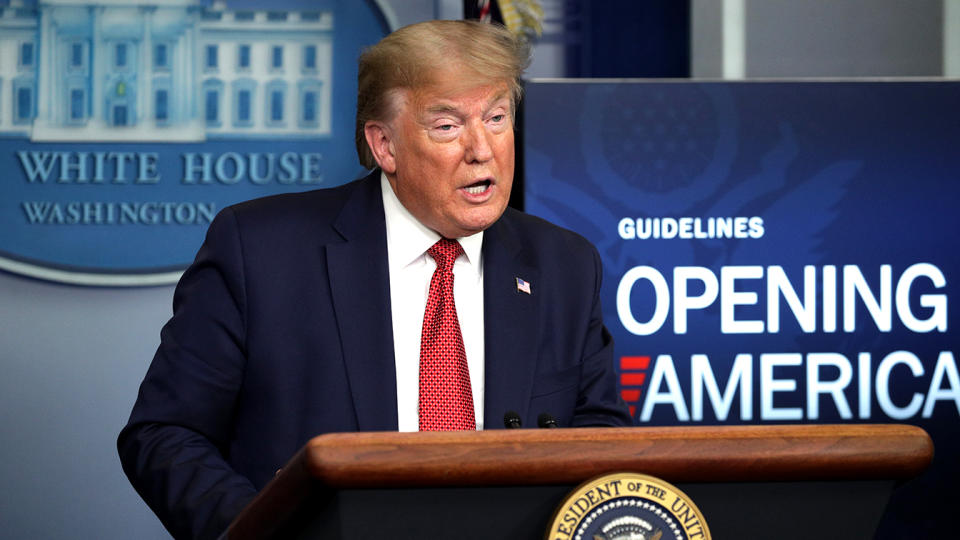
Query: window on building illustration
x=276 y=106
x=160 y=60
x=211 y=58
x=26 y=54
x=277 y=57
x=243 y=57
x=310 y=57
x=277 y=16
x=120 y=115
x=309 y=107
x=24 y=103
x=121 y=57
x=309 y=102
x=212 y=103
x=310 y=16
x=161 y=107
x=76 y=55
x=76 y=104
x=243 y=16
x=243 y=106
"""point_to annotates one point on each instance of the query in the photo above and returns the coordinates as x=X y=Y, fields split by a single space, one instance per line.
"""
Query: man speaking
x=411 y=299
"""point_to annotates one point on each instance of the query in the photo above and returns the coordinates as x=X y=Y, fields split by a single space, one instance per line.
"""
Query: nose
x=477 y=148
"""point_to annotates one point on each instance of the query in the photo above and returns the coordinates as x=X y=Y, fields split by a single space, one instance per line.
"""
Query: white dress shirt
x=410 y=271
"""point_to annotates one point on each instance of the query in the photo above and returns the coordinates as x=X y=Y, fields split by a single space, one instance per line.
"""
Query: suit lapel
x=360 y=288
x=511 y=320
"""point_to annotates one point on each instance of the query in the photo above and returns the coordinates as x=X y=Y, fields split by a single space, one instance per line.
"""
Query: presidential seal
x=627 y=506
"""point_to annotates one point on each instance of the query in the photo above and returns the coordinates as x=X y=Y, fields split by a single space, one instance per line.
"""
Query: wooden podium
x=800 y=481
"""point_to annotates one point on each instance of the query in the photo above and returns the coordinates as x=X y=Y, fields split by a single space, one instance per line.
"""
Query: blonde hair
x=413 y=57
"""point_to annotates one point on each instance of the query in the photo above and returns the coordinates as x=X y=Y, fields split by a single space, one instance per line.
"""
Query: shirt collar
x=409 y=240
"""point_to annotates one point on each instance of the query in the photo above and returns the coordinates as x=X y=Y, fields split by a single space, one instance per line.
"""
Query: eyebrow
x=449 y=109
x=441 y=109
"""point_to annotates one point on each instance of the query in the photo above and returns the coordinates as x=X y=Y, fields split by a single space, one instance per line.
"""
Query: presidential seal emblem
x=627 y=506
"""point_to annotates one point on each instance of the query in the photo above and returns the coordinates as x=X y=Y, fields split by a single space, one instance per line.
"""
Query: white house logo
x=125 y=126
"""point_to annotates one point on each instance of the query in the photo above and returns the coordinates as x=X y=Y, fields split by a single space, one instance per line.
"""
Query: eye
x=445 y=127
x=498 y=118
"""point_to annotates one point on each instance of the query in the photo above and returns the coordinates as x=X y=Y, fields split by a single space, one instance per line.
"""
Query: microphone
x=511 y=420
x=546 y=420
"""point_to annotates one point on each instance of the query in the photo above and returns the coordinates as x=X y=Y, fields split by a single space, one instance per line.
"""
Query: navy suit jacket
x=282 y=331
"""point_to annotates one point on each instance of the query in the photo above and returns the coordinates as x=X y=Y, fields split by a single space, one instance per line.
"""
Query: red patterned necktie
x=446 y=399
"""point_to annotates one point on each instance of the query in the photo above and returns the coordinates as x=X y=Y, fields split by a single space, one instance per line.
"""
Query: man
x=311 y=313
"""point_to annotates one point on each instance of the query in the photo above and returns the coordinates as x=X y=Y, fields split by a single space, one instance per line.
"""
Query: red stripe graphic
x=632 y=377
x=634 y=362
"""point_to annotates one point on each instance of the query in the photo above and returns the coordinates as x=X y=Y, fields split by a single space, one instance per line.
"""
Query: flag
x=523 y=286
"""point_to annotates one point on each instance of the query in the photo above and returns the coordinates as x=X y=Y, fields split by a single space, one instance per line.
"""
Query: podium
x=798 y=481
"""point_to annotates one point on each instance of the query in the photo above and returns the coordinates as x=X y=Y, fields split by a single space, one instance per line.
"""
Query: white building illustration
x=163 y=70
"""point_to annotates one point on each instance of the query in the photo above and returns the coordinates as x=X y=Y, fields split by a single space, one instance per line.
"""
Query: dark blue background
x=842 y=173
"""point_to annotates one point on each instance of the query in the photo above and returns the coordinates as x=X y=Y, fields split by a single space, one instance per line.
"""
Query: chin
x=481 y=224
x=476 y=220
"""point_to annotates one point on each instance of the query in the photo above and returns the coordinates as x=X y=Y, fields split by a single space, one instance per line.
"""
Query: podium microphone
x=546 y=420
x=511 y=420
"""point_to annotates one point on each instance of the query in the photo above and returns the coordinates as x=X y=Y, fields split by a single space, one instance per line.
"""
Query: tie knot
x=445 y=252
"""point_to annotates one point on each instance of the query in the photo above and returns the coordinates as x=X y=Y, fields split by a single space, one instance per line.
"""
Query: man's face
x=452 y=156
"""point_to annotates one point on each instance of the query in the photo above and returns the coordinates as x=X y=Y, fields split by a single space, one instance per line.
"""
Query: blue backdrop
x=774 y=251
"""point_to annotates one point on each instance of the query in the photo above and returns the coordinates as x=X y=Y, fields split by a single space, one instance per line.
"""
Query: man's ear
x=380 y=141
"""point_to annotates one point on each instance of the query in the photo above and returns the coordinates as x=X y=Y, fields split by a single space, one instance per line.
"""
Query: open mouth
x=478 y=187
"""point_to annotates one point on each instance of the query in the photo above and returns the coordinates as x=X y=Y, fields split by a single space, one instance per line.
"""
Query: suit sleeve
x=599 y=402
x=173 y=448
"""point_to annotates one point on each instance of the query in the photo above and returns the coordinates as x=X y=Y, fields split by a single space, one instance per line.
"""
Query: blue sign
x=773 y=251
x=125 y=128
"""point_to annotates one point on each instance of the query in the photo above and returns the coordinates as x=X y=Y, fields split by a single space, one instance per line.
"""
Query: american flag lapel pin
x=523 y=286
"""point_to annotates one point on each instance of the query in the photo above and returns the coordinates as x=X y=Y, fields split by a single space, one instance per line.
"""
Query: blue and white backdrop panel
x=773 y=251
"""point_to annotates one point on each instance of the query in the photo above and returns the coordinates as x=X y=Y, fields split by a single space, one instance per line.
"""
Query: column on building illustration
x=181 y=72
x=97 y=91
x=190 y=75
x=146 y=97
